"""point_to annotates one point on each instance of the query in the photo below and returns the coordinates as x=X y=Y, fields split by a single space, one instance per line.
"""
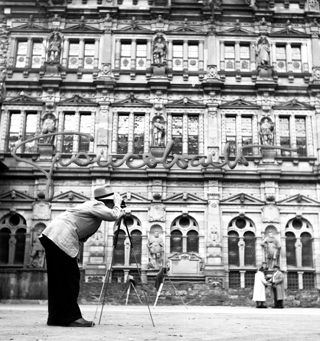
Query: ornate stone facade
x=191 y=74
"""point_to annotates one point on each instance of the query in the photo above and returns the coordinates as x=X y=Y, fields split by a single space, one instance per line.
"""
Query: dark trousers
x=63 y=285
x=277 y=303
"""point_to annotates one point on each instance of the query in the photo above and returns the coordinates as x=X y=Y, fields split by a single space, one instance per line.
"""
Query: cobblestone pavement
x=24 y=322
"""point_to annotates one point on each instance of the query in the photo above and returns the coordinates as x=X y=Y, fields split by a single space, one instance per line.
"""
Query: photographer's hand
x=117 y=199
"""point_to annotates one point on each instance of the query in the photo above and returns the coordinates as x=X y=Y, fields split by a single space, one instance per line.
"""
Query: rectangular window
x=231 y=134
x=141 y=56
x=293 y=281
x=234 y=279
x=296 y=58
x=281 y=57
x=177 y=57
x=229 y=57
x=31 y=129
x=67 y=142
x=284 y=132
x=21 y=54
x=193 y=57
x=308 y=281
x=249 y=279
x=14 y=130
x=89 y=50
x=246 y=128
x=301 y=138
x=37 y=52
x=74 y=50
x=177 y=134
x=244 y=58
x=125 y=56
x=85 y=127
x=193 y=135
x=138 y=134
x=123 y=134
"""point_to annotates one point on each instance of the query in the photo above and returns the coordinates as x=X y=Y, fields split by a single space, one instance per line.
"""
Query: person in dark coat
x=277 y=282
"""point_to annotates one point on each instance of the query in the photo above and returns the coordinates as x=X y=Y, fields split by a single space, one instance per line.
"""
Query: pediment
x=190 y=256
x=298 y=199
x=239 y=104
x=185 y=28
x=185 y=198
x=236 y=31
x=15 y=195
x=131 y=101
x=29 y=27
x=134 y=198
x=77 y=100
x=293 y=105
x=81 y=28
x=289 y=33
x=23 y=99
x=241 y=199
x=133 y=29
x=70 y=196
x=185 y=102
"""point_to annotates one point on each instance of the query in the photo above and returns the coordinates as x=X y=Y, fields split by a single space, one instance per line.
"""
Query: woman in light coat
x=259 y=289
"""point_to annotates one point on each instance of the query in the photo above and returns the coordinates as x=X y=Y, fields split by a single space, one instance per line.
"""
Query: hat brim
x=105 y=197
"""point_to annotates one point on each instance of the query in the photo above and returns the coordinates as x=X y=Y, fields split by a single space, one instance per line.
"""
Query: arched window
x=118 y=257
x=4 y=245
x=291 y=249
x=233 y=248
x=249 y=249
x=136 y=238
x=20 y=246
x=192 y=241
x=176 y=241
x=306 y=243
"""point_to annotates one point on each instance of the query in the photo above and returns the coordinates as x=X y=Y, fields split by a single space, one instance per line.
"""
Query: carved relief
x=41 y=210
x=270 y=214
x=155 y=247
x=37 y=256
x=157 y=213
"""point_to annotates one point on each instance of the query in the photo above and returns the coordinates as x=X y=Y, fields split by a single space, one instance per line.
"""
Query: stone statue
x=158 y=133
x=48 y=126
x=54 y=49
x=37 y=257
x=156 y=248
x=271 y=250
x=159 y=51
x=263 y=51
x=266 y=132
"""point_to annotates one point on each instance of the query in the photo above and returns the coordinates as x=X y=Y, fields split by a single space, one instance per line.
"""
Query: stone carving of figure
x=156 y=248
x=158 y=132
x=54 y=49
x=48 y=126
x=37 y=257
x=271 y=250
x=159 y=51
x=266 y=132
x=263 y=51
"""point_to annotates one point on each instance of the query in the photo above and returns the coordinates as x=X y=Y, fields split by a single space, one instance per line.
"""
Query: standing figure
x=54 y=49
x=61 y=240
x=159 y=51
x=277 y=287
x=259 y=288
x=158 y=133
x=263 y=51
x=48 y=127
x=266 y=132
x=155 y=247
x=272 y=250
x=37 y=257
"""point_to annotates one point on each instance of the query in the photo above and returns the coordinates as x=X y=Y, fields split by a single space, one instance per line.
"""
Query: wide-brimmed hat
x=104 y=192
x=276 y=267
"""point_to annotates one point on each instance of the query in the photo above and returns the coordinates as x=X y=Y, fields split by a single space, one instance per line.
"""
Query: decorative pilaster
x=76 y=137
x=60 y=128
x=201 y=55
x=96 y=54
x=169 y=126
x=185 y=133
x=131 y=128
x=146 y=133
x=223 y=131
x=222 y=63
x=185 y=55
x=170 y=54
x=255 y=135
x=92 y=130
x=201 y=133
x=293 y=141
x=117 y=54
x=239 y=131
x=114 y=133
x=65 y=53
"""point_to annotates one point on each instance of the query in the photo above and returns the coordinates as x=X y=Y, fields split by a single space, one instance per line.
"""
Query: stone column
x=96 y=54
x=277 y=135
x=289 y=58
x=315 y=48
x=65 y=53
x=60 y=128
x=28 y=53
x=300 y=279
x=4 y=128
x=117 y=54
x=241 y=245
x=76 y=137
x=223 y=131
x=185 y=133
x=298 y=247
x=201 y=55
x=185 y=55
x=149 y=53
x=130 y=136
x=92 y=130
x=239 y=131
x=237 y=55
x=255 y=135
x=81 y=53
x=133 y=53
x=146 y=133
x=13 y=54
x=317 y=121
x=170 y=54
x=309 y=135
x=304 y=57
x=201 y=133
x=212 y=50
x=253 y=56
x=242 y=279
x=169 y=127
x=222 y=63
x=293 y=141
x=114 y=133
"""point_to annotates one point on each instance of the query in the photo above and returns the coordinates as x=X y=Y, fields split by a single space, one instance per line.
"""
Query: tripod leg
x=176 y=292
x=134 y=288
x=128 y=292
x=125 y=289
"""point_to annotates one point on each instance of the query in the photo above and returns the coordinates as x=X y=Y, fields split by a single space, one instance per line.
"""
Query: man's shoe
x=81 y=322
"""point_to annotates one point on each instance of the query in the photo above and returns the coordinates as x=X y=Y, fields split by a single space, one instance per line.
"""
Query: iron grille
x=308 y=280
x=293 y=281
x=234 y=279
x=249 y=279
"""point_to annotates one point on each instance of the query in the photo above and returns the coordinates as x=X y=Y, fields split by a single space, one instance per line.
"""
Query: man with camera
x=61 y=240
